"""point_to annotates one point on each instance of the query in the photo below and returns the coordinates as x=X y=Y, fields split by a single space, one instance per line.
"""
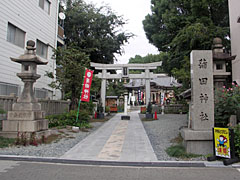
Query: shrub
x=69 y=118
x=87 y=106
x=179 y=152
x=6 y=142
x=107 y=109
x=2 y=111
x=176 y=151
x=237 y=139
x=227 y=103
x=120 y=108
x=149 y=108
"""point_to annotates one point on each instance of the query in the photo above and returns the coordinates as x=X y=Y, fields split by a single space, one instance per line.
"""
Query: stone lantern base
x=22 y=120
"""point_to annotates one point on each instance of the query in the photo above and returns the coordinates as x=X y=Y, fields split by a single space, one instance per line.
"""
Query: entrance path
x=116 y=140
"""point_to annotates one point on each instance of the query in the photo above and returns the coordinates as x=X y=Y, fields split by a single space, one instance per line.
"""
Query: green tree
x=95 y=31
x=150 y=58
x=177 y=27
x=69 y=73
x=92 y=35
x=115 y=88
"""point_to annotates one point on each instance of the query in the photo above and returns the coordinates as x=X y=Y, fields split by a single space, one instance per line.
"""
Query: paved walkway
x=116 y=140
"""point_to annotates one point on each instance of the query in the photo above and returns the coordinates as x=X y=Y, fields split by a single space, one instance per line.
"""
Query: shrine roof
x=163 y=82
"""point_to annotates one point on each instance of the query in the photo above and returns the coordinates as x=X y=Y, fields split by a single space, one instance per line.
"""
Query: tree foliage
x=179 y=26
x=150 y=58
x=95 y=31
x=115 y=88
x=91 y=35
x=70 y=69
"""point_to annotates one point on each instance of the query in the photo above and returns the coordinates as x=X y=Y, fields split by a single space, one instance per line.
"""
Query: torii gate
x=147 y=75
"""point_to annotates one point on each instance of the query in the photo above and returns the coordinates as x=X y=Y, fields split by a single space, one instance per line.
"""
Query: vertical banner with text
x=85 y=94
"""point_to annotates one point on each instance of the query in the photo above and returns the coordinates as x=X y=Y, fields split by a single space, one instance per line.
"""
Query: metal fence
x=172 y=109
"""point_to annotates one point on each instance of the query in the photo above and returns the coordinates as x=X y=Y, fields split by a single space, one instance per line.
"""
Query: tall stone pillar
x=103 y=89
x=147 y=86
x=198 y=138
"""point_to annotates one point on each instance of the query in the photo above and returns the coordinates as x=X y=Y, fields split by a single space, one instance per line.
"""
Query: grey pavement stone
x=136 y=146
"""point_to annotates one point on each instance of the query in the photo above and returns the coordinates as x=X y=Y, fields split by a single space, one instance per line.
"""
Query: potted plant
x=107 y=110
x=100 y=114
x=149 y=114
x=143 y=110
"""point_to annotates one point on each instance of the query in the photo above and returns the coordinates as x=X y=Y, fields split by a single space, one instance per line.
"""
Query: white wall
x=38 y=24
x=234 y=14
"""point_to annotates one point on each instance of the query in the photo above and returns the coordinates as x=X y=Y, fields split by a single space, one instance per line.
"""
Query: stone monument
x=26 y=115
x=198 y=137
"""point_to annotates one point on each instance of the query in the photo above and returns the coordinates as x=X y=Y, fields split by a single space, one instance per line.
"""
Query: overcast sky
x=134 y=11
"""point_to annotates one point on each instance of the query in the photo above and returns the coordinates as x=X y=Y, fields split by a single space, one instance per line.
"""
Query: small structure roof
x=164 y=82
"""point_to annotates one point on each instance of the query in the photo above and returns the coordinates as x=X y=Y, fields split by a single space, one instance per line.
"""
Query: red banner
x=85 y=96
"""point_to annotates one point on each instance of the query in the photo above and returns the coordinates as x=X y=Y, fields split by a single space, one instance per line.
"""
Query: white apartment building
x=234 y=15
x=23 y=20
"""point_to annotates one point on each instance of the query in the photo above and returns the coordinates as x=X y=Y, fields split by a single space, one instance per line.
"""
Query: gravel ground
x=162 y=131
x=56 y=149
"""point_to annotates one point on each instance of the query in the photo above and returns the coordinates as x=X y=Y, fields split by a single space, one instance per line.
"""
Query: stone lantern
x=26 y=115
x=220 y=59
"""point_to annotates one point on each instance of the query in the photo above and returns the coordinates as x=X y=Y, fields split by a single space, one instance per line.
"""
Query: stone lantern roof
x=218 y=52
x=29 y=55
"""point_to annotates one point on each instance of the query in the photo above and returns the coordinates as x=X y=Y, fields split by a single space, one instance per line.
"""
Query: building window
x=41 y=93
x=7 y=89
x=15 y=35
x=45 y=5
x=42 y=49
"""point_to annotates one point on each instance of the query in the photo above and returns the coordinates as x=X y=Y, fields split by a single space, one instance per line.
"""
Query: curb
x=216 y=164
x=105 y=163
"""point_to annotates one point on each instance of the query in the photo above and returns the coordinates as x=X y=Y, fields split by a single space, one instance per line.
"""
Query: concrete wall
x=49 y=106
x=234 y=14
x=38 y=24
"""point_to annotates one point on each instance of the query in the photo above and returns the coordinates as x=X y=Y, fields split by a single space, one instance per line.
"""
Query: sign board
x=87 y=85
x=222 y=142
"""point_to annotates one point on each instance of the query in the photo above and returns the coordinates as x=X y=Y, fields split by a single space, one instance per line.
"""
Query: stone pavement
x=116 y=140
